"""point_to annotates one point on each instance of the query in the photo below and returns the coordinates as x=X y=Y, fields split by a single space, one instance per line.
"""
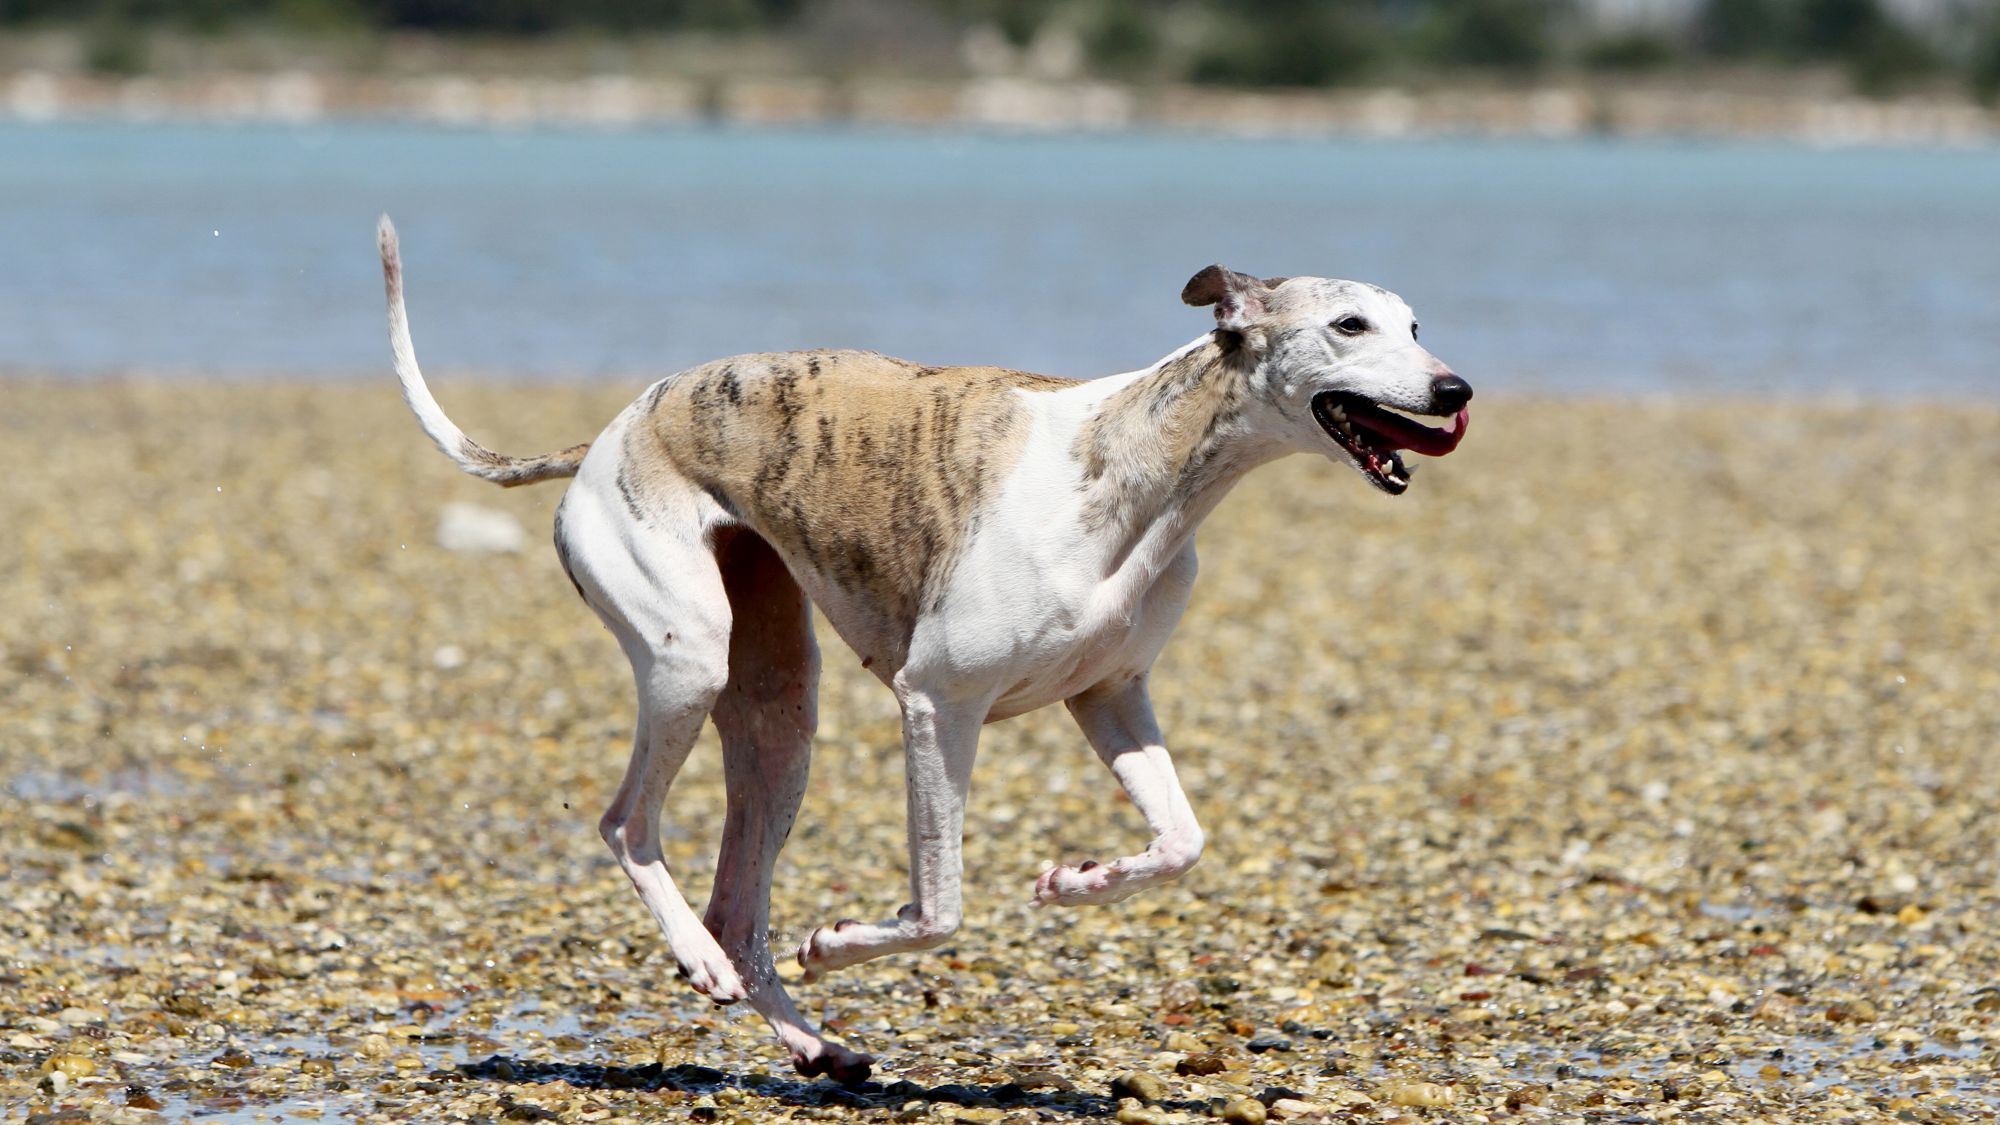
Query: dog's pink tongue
x=1402 y=433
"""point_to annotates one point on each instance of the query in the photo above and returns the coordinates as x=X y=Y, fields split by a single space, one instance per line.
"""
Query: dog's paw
x=823 y=950
x=1088 y=883
x=849 y=1068
x=714 y=978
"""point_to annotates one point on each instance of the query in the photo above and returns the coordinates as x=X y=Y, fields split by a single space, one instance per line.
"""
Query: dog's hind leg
x=766 y=715
x=662 y=595
x=1118 y=721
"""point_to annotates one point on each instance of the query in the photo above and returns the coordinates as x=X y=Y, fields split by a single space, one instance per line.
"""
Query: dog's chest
x=1114 y=652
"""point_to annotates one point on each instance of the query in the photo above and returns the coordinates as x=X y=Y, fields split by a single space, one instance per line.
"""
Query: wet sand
x=1637 y=765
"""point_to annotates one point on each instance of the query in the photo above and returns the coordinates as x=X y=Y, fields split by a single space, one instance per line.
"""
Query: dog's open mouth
x=1373 y=434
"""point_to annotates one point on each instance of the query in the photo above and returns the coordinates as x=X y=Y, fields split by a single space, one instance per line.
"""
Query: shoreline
x=1556 y=111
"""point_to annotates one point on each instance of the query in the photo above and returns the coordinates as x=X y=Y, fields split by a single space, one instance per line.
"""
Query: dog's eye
x=1413 y=331
x=1350 y=326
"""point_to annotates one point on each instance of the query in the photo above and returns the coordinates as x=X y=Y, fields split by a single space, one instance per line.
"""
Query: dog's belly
x=1114 y=657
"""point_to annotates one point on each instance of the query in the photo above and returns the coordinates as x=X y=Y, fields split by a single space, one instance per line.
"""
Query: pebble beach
x=1636 y=766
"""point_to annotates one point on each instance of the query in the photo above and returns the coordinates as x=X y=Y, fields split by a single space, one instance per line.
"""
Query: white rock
x=473 y=529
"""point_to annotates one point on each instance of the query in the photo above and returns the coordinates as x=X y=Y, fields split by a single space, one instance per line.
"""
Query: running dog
x=988 y=541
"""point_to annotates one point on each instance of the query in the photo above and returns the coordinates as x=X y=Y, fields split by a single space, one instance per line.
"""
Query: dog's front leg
x=940 y=740
x=1118 y=720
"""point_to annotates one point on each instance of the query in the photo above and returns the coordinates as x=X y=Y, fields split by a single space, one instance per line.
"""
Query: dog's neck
x=1162 y=450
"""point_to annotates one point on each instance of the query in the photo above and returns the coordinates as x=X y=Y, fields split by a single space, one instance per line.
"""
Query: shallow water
x=1559 y=266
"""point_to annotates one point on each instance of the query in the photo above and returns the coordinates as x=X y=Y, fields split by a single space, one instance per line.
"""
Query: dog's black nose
x=1449 y=394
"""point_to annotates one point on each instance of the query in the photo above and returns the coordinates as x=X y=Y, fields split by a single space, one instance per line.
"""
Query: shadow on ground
x=694 y=1081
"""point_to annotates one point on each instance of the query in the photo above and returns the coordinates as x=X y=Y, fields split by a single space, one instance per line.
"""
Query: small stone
x=1264 y=1043
x=1201 y=1065
x=375 y=1047
x=1180 y=996
x=1422 y=1094
x=138 y=1097
x=1244 y=1111
x=1292 y=1107
x=185 y=1004
x=70 y=1066
x=1130 y=1112
x=1042 y=1080
x=1138 y=1084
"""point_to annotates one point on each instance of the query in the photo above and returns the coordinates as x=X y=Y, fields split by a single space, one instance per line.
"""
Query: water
x=1535 y=266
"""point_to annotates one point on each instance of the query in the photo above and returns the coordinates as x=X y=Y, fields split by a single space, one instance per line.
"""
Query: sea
x=1537 y=267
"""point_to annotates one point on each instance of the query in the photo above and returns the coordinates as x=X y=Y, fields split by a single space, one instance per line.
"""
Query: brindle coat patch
x=870 y=471
x=1162 y=433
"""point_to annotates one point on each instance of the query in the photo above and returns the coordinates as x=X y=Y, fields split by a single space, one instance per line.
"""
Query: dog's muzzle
x=1373 y=434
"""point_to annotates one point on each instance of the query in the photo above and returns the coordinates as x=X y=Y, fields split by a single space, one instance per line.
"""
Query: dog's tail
x=474 y=458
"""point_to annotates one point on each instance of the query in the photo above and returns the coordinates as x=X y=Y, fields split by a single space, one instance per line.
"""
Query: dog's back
x=868 y=470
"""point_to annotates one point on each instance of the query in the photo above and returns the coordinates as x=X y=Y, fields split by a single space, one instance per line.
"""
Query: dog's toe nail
x=843 y=924
x=1088 y=865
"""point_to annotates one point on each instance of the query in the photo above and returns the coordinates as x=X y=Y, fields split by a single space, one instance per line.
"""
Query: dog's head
x=1333 y=362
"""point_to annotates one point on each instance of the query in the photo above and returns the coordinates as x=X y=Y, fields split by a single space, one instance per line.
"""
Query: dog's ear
x=1238 y=298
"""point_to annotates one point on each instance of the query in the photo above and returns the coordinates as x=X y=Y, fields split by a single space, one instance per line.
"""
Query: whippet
x=988 y=541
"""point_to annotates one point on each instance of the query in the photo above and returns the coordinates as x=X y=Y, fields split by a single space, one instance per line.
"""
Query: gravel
x=1636 y=766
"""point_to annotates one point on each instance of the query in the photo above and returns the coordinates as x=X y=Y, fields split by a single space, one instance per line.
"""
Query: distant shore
x=1007 y=103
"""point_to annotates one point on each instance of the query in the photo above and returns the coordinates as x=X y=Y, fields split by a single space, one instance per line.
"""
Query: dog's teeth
x=1340 y=414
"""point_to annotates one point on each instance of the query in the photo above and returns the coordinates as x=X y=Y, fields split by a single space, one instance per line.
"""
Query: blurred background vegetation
x=1878 y=47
